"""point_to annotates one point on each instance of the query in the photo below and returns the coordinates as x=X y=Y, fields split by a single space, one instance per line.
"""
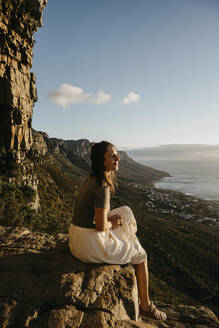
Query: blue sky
x=135 y=72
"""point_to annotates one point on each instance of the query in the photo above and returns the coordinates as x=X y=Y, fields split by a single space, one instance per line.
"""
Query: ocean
x=196 y=178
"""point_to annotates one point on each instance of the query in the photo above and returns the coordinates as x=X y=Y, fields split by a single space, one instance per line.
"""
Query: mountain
x=78 y=153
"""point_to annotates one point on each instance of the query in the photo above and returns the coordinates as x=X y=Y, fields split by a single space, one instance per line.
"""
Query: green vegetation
x=57 y=192
x=15 y=204
x=58 y=185
x=8 y=165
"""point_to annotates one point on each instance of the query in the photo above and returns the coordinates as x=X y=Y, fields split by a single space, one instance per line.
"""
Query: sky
x=138 y=73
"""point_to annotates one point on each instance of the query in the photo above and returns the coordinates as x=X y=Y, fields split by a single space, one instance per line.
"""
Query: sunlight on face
x=111 y=159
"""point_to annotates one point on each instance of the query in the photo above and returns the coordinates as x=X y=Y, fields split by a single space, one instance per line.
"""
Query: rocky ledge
x=43 y=285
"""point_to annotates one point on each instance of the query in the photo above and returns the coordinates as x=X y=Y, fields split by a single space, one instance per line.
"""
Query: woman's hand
x=115 y=220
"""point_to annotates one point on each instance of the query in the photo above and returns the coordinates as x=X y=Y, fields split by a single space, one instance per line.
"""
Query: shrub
x=8 y=164
x=15 y=204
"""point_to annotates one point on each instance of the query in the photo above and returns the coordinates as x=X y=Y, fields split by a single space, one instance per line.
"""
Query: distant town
x=181 y=205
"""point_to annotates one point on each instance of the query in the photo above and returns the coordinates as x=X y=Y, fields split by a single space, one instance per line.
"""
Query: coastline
x=192 y=186
x=178 y=204
x=193 y=171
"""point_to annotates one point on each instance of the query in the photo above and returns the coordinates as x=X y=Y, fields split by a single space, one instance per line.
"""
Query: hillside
x=54 y=168
x=183 y=255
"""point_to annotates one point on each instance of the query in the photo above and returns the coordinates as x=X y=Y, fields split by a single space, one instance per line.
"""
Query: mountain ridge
x=77 y=151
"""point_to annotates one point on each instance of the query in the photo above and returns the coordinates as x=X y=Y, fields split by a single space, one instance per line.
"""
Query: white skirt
x=114 y=246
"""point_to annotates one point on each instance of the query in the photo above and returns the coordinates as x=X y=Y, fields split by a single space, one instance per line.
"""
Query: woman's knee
x=142 y=264
x=127 y=209
x=122 y=211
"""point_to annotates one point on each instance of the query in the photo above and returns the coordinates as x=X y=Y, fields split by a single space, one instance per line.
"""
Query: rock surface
x=43 y=285
x=19 y=19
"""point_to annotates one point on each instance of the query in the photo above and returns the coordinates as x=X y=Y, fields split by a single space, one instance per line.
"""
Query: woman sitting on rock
x=99 y=235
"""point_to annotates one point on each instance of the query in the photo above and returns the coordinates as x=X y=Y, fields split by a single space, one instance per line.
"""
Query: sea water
x=196 y=178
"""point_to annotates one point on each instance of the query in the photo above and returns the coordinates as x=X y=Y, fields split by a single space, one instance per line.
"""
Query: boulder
x=43 y=285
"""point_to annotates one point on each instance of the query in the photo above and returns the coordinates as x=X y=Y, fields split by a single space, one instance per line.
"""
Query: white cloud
x=102 y=97
x=132 y=97
x=70 y=94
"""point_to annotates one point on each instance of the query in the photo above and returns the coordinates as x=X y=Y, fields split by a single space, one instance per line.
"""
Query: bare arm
x=102 y=224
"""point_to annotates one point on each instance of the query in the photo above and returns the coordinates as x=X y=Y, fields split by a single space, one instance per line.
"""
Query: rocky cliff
x=19 y=19
x=43 y=285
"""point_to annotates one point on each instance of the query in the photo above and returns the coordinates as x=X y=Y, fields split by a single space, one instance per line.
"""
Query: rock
x=181 y=316
x=19 y=19
x=39 y=147
x=43 y=285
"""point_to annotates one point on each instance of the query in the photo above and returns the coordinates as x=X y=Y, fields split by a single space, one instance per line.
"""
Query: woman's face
x=111 y=159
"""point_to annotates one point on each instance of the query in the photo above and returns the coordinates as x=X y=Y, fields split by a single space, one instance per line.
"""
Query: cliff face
x=19 y=19
x=43 y=285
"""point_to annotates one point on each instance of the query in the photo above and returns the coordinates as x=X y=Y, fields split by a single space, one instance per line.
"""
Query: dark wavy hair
x=98 y=170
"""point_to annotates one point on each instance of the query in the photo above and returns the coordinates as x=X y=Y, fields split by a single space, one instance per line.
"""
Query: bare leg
x=141 y=270
x=149 y=309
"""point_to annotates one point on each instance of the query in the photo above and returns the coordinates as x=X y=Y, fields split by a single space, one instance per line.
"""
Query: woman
x=99 y=235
